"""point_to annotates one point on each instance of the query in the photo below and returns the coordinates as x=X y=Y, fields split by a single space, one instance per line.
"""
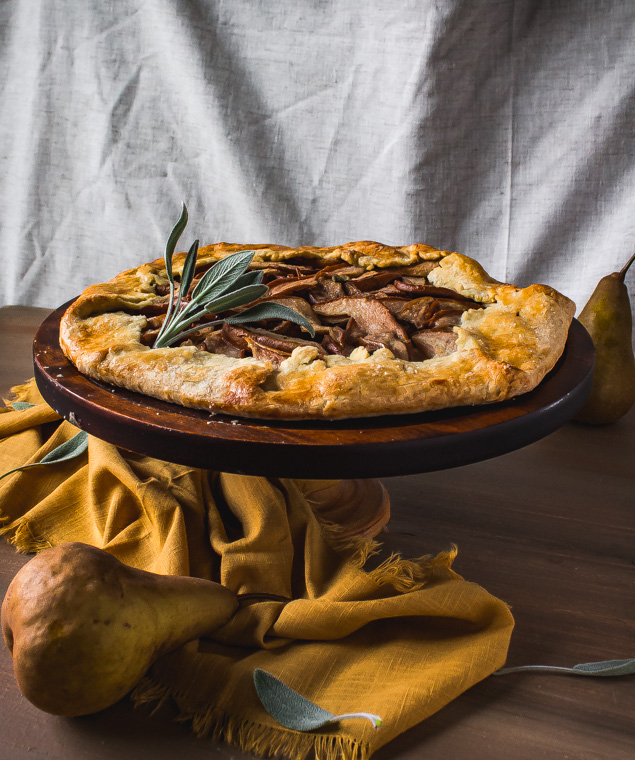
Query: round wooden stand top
x=358 y=448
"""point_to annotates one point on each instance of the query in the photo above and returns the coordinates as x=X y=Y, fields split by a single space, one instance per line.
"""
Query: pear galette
x=396 y=330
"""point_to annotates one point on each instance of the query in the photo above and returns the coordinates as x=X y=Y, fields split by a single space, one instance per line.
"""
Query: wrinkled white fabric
x=503 y=129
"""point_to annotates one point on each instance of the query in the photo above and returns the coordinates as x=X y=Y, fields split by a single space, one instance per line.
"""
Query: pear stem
x=626 y=266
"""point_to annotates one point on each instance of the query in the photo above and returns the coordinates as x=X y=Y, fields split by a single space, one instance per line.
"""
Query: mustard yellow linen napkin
x=400 y=641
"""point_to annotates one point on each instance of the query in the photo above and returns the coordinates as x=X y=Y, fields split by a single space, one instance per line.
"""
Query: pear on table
x=83 y=628
x=607 y=317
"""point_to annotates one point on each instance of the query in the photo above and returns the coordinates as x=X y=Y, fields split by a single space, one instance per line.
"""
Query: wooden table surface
x=550 y=529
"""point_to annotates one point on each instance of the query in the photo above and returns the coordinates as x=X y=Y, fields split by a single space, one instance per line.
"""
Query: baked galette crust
x=502 y=349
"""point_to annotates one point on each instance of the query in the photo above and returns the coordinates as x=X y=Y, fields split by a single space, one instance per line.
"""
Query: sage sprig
x=225 y=286
x=294 y=711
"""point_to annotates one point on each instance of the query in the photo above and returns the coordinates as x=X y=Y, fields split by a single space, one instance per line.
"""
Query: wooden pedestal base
x=359 y=507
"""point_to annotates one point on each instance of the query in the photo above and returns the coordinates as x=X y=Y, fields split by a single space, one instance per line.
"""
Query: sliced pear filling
x=349 y=307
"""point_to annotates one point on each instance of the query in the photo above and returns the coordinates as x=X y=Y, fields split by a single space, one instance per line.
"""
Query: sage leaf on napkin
x=68 y=450
x=20 y=405
x=602 y=668
x=294 y=711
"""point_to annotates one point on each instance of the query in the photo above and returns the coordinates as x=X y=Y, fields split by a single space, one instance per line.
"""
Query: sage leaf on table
x=68 y=450
x=226 y=285
x=603 y=668
x=21 y=405
x=292 y=710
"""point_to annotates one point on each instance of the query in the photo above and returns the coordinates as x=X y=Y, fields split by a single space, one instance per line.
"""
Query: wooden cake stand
x=351 y=449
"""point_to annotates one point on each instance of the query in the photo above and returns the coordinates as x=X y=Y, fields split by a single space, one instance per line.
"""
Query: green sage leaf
x=176 y=233
x=187 y=274
x=236 y=298
x=606 y=668
x=68 y=450
x=222 y=275
x=603 y=668
x=269 y=310
x=20 y=405
x=292 y=710
x=254 y=277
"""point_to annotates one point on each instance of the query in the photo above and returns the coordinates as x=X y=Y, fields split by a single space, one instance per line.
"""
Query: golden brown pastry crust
x=502 y=350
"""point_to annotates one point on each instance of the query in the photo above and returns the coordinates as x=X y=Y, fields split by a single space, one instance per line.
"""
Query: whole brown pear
x=83 y=628
x=607 y=317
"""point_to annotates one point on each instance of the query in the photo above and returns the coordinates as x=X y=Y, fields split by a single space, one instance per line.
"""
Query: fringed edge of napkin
x=19 y=534
x=250 y=736
x=413 y=574
x=402 y=574
x=18 y=393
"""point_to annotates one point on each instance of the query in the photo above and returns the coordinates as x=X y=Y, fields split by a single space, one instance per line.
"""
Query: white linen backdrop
x=503 y=129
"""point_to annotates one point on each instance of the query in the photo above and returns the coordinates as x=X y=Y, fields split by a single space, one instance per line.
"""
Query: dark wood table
x=549 y=528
